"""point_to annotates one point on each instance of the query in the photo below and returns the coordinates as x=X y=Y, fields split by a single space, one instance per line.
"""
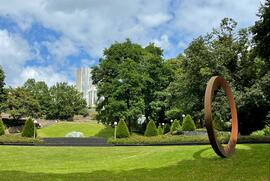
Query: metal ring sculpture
x=213 y=84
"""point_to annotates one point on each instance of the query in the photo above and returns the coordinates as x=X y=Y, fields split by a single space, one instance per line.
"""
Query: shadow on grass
x=250 y=163
x=105 y=133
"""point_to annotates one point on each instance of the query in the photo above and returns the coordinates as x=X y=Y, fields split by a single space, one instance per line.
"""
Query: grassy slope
x=251 y=162
x=62 y=128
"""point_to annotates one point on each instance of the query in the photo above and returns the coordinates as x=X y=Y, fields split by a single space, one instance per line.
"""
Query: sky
x=49 y=39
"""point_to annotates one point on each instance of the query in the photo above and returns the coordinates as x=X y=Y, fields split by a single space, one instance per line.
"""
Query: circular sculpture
x=213 y=84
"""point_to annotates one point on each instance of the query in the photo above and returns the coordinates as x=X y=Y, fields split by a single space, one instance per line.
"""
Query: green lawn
x=251 y=162
x=62 y=128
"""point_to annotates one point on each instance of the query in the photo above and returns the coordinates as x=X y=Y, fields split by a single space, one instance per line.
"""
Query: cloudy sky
x=48 y=39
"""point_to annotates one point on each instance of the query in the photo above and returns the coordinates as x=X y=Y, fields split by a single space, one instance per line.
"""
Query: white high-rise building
x=84 y=84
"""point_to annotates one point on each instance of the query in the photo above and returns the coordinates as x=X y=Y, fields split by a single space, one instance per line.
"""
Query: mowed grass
x=62 y=128
x=250 y=162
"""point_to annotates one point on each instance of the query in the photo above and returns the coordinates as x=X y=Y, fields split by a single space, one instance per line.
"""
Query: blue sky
x=48 y=40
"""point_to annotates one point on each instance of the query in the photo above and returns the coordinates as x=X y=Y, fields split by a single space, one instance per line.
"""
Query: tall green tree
x=119 y=83
x=131 y=82
x=40 y=91
x=21 y=103
x=3 y=92
x=66 y=102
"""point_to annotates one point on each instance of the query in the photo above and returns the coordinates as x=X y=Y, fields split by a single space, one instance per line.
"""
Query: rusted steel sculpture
x=213 y=84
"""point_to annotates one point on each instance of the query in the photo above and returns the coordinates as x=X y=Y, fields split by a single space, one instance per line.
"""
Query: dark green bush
x=122 y=129
x=28 y=129
x=151 y=129
x=175 y=126
x=160 y=130
x=2 y=127
x=188 y=124
x=167 y=128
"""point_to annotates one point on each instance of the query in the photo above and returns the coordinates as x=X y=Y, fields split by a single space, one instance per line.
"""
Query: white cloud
x=13 y=55
x=61 y=48
x=46 y=74
x=163 y=42
x=197 y=17
x=94 y=25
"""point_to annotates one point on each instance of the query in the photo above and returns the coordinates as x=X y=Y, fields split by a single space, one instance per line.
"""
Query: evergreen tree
x=151 y=129
x=122 y=129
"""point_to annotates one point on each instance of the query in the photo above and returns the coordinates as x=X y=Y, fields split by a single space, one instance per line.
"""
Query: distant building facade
x=84 y=84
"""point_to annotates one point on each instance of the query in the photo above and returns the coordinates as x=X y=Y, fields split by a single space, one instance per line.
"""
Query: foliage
x=188 y=124
x=257 y=133
x=13 y=138
x=66 y=102
x=2 y=127
x=261 y=31
x=151 y=129
x=167 y=128
x=122 y=129
x=131 y=81
x=40 y=92
x=3 y=92
x=175 y=126
x=28 y=129
x=21 y=103
x=264 y=132
x=160 y=130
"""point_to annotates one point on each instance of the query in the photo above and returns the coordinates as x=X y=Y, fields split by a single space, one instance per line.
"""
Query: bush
x=2 y=127
x=257 y=133
x=175 y=126
x=122 y=129
x=160 y=130
x=266 y=131
x=179 y=131
x=151 y=129
x=167 y=128
x=28 y=129
x=188 y=124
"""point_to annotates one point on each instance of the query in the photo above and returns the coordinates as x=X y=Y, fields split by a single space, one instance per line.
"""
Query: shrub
x=160 y=130
x=167 y=128
x=2 y=127
x=257 y=133
x=28 y=129
x=266 y=131
x=188 y=124
x=122 y=129
x=175 y=126
x=179 y=131
x=151 y=129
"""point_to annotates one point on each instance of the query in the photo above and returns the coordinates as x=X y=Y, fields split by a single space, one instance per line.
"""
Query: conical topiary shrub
x=122 y=129
x=167 y=128
x=160 y=130
x=188 y=124
x=2 y=128
x=151 y=129
x=28 y=129
x=175 y=126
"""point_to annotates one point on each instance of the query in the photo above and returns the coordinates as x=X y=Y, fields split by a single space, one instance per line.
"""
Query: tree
x=119 y=83
x=28 y=129
x=261 y=31
x=151 y=129
x=175 y=126
x=188 y=124
x=66 y=102
x=131 y=81
x=3 y=92
x=122 y=129
x=160 y=130
x=2 y=127
x=40 y=91
x=21 y=103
